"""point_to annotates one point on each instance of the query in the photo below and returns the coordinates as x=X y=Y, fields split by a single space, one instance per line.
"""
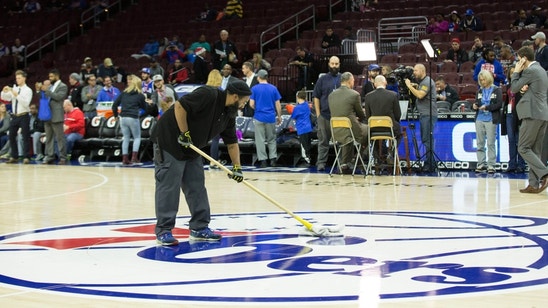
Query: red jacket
x=75 y=122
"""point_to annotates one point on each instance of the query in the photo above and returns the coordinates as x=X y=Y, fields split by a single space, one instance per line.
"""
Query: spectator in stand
x=156 y=68
x=178 y=73
x=489 y=63
x=4 y=50
x=250 y=79
x=373 y=70
x=151 y=49
x=147 y=86
x=470 y=22
x=488 y=107
x=507 y=58
x=202 y=42
x=106 y=69
x=498 y=43
x=325 y=85
x=444 y=92
x=477 y=50
x=225 y=51
x=18 y=53
x=56 y=91
x=456 y=54
x=454 y=22
x=174 y=41
x=536 y=17
x=520 y=22
x=89 y=97
x=330 y=39
x=529 y=44
x=74 y=126
x=20 y=96
x=265 y=100
x=131 y=101
x=259 y=63
x=108 y=94
x=208 y=14
x=172 y=53
x=36 y=132
x=303 y=125
x=88 y=70
x=305 y=61
x=541 y=53
x=200 y=66
x=163 y=93
x=348 y=34
x=234 y=9
x=75 y=90
x=32 y=6
x=438 y=24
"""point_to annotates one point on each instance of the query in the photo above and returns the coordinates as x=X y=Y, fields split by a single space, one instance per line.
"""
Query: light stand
x=430 y=154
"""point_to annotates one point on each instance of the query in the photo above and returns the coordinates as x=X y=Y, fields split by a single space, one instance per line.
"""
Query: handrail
x=52 y=37
x=96 y=13
x=332 y=4
x=295 y=27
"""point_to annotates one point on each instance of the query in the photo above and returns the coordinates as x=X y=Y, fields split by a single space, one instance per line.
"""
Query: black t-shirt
x=207 y=117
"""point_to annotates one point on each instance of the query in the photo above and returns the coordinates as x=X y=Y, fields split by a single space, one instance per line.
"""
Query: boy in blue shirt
x=303 y=125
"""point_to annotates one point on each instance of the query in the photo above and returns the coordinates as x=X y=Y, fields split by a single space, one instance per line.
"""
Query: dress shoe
x=273 y=163
x=12 y=161
x=529 y=190
x=263 y=164
x=543 y=183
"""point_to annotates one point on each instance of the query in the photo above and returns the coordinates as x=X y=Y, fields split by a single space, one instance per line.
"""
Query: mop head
x=325 y=231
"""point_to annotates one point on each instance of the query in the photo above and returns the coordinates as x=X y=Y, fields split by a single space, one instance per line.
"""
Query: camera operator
x=391 y=79
x=425 y=91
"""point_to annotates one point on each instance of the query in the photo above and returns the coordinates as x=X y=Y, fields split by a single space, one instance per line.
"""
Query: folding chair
x=344 y=137
x=380 y=128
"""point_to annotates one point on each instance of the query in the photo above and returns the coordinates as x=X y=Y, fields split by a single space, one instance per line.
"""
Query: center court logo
x=383 y=255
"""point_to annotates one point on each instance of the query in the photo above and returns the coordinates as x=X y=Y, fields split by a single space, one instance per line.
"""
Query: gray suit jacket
x=345 y=102
x=57 y=97
x=534 y=102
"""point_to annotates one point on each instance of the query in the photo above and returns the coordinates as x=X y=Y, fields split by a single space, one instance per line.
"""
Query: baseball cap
x=539 y=35
x=455 y=40
x=469 y=12
x=238 y=87
x=86 y=59
x=145 y=70
x=157 y=78
x=262 y=74
x=454 y=12
x=107 y=61
x=199 y=51
x=374 y=67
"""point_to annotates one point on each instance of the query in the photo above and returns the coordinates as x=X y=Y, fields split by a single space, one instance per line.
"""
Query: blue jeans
x=130 y=127
x=71 y=140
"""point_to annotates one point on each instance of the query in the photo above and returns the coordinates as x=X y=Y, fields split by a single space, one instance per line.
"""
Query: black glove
x=184 y=139
x=237 y=174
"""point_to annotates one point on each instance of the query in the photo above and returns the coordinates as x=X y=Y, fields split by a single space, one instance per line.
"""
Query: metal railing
x=392 y=30
x=50 y=39
x=290 y=24
x=93 y=14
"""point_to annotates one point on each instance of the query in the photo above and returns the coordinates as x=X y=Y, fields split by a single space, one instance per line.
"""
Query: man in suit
x=224 y=51
x=383 y=102
x=346 y=102
x=56 y=91
x=250 y=79
x=533 y=112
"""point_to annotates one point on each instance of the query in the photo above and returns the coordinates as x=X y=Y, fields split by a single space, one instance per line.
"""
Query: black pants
x=17 y=122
